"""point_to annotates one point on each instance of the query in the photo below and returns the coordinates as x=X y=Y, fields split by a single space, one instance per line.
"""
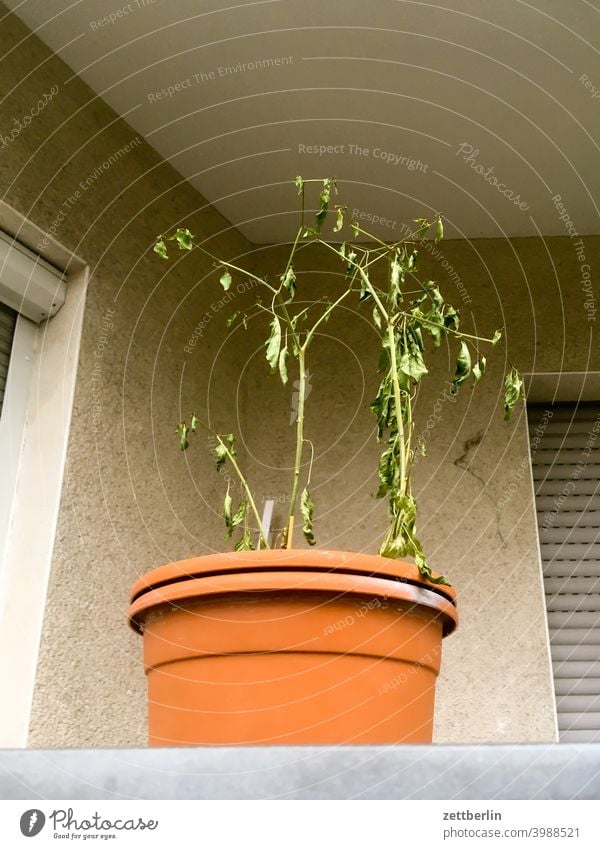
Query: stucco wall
x=127 y=502
x=130 y=501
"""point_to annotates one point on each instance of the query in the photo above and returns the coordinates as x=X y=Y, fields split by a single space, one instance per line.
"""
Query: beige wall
x=127 y=502
x=130 y=501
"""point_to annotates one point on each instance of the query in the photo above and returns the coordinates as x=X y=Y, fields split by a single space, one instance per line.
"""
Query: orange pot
x=294 y=647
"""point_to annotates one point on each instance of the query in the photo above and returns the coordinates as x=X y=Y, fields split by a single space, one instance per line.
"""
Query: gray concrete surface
x=361 y=772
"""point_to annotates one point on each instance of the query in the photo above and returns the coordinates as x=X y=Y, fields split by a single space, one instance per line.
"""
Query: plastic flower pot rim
x=291 y=570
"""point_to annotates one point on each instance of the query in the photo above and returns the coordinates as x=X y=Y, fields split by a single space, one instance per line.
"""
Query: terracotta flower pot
x=294 y=647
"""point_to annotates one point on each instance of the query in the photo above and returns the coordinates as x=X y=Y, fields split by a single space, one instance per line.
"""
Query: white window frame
x=34 y=430
x=12 y=418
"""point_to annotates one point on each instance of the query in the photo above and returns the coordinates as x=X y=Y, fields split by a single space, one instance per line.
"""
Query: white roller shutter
x=8 y=319
x=565 y=451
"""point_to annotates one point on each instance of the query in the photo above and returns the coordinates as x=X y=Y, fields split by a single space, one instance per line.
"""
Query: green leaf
x=324 y=197
x=274 y=343
x=245 y=543
x=184 y=239
x=434 y=293
x=382 y=405
x=377 y=317
x=434 y=325
x=513 y=392
x=451 y=319
x=339 y=223
x=385 y=470
x=194 y=422
x=424 y=225
x=182 y=431
x=160 y=248
x=224 y=447
x=225 y=280
x=227 y=513
x=239 y=515
x=288 y=281
x=350 y=268
x=220 y=456
x=426 y=571
x=401 y=539
x=283 y=355
x=233 y=318
x=383 y=363
x=230 y=440
x=395 y=275
x=497 y=337
x=439 y=229
x=307 y=509
x=299 y=184
x=412 y=364
x=463 y=367
x=364 y=289
x=479 y=369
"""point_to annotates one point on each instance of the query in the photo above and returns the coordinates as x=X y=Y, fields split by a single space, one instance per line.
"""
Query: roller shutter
x=8 y=320
x=565 y=451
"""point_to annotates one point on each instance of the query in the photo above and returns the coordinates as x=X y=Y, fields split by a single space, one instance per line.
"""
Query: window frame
x=37 y=418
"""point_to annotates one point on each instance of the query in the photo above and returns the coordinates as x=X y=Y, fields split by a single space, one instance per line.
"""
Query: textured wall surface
x=127 y=503
x=131 y=501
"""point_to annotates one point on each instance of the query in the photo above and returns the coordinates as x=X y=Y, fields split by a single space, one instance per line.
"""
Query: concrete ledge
x=364 y=772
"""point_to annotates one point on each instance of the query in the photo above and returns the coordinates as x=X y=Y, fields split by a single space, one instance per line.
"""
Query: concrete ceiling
x=393 y=87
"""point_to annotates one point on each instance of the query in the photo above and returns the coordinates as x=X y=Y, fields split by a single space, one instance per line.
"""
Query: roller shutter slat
x=579 y=584
x=580 y=736
x=556 y=442
x=579 y=722
x=580 y=652
x=570 y=551
x=573 y=704
x=565 y=456
x=555 y=429
x=577 y=687
x=579 y=511
x=571 y=569
x=577 y=669
x=576 y=636
x=564 y=473
x=584 y=534
x=560 y=459
x=559 y=621
x=561 y=413
x=558 y=487
x=573 y=603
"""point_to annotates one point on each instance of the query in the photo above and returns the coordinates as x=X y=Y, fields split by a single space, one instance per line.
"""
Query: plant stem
x=243 y=481
x=364 y=276
x=233 y=267
x=325 y=316
x=299 y=446
x=398 y=406
x=458 y=333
